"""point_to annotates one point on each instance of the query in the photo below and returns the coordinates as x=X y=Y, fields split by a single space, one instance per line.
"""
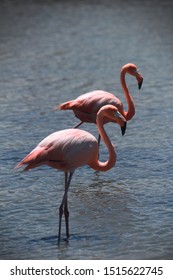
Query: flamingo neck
x=98 y=165
x=131 y=107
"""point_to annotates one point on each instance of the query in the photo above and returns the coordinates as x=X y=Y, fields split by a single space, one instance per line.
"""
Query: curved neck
x=131 y=107
x=98 y=165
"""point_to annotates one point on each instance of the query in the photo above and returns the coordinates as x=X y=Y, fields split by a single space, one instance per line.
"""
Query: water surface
x=53 y=51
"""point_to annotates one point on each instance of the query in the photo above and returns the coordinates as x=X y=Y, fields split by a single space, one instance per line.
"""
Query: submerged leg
x=64 y=207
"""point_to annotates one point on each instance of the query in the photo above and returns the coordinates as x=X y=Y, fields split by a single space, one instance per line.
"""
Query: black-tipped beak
x=123 y=128
x=140 y=83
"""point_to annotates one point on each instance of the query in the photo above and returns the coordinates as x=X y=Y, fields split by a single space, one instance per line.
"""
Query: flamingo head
x=121 y=121
x=111 y=114
x=132 y=69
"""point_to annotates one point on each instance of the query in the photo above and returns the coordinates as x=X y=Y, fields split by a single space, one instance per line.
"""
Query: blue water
x=53 y=51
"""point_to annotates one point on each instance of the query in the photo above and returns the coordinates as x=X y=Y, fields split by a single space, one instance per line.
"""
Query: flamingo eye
x=118 y=115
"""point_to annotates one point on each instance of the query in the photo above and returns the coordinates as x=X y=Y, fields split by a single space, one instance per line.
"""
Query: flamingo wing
x=86 y=106
x=64 y=150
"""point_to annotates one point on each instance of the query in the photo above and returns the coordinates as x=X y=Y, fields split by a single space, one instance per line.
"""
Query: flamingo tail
x=32 y=159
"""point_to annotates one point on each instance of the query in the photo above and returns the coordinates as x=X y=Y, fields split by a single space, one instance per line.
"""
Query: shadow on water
x=65 y=248
x=53 y=240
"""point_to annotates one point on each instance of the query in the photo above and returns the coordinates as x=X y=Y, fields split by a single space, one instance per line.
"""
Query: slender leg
x=63 y=207
x=99 y=138
x=78 y=124
x=60 y=220
x=66 y=212
x=61 y=210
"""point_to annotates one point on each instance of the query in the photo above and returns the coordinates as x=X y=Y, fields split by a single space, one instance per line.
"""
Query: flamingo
x=69 y=149
x=86 y=106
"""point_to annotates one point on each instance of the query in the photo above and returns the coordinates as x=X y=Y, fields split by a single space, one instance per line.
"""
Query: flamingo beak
x=140 y=83
x=139 y=78
x=123 y=128
x=121 y=121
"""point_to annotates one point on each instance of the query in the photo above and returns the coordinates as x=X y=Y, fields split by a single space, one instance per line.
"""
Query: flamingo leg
x=64 y=206
x=60 y=220
x=66 y=212
x=99 y=139
x=78 y=124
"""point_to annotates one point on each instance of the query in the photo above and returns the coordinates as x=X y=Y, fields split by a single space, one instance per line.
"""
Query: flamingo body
x=65 y=150
x=69 y=149
x=86 y=106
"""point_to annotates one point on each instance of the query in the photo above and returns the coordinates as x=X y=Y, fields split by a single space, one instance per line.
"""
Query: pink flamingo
x=86 y=106
x=69 y=149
